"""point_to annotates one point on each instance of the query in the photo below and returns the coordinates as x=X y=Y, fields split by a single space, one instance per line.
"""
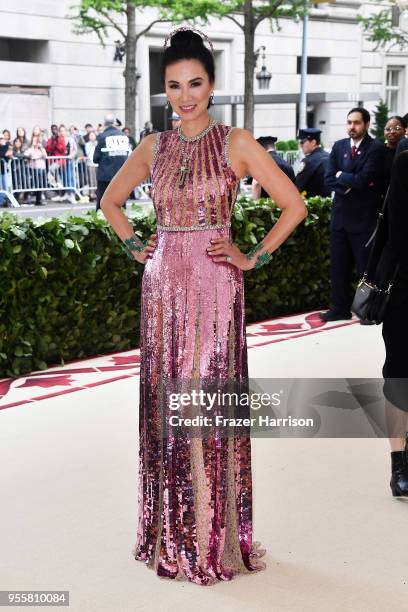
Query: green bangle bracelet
x=254 y=249
x=130 y=244
x=128 y=253
x=262 y=259
x=133 y=245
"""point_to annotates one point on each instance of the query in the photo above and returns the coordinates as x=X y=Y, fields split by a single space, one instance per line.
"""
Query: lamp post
x=399 y=7
x=303 y=62
x=263 y=76
x=131 y=76
x=120 y=51
x=303 y=72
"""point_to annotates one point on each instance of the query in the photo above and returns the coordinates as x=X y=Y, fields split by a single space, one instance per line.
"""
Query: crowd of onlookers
x=35 y=168
x=73 y=149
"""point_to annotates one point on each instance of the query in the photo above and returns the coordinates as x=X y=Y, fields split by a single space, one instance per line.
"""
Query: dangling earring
x=212 y=99
x=167 y=105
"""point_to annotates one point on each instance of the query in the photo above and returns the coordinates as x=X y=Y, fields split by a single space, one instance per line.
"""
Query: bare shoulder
x=150 y=138
x=149 y=141
x=240 y=136
x=241 y=150
x=243 y=143
x=146 y=148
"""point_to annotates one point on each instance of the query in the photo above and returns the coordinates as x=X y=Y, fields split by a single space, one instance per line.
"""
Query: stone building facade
x=50 y=74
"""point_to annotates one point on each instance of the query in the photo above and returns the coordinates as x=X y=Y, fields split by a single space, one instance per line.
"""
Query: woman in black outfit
x=395 y=328
x=394 y=130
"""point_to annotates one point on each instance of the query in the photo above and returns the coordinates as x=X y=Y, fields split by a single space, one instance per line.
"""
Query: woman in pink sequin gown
x=193 y=325
x=195 y=493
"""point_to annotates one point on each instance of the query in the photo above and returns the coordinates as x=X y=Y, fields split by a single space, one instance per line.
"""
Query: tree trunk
x=130 y=68
x=249 y=34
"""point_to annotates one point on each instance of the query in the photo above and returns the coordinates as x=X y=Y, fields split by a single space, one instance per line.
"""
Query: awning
x=289 y=98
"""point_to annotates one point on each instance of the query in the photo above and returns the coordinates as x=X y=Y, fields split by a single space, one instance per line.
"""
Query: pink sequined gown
x=195 y=495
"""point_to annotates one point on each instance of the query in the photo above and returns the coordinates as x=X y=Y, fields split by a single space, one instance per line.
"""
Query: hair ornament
x=185 y=28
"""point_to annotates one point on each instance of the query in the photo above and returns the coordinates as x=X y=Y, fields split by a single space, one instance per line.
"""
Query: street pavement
x=65 y=209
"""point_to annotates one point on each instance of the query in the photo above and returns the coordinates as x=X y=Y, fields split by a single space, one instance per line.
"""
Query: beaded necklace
x=185 y=164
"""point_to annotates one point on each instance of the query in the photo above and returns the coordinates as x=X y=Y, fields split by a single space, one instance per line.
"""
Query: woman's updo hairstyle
x=186 y=44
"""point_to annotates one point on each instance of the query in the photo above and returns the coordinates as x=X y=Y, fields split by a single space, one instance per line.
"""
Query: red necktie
x=353 y=151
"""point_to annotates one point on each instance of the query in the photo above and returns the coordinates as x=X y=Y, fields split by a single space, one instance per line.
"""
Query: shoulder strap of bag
x=374 y=239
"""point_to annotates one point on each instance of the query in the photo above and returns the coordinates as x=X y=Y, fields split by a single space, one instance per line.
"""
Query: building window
x=393 y=88
x=315 y=65
x=23 y=50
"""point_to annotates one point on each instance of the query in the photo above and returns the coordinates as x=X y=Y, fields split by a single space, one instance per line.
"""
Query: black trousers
x=395 y=335
x=347 y=250
x=101 y=187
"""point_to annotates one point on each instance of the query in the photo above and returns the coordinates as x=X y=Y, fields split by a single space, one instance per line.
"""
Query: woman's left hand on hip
x=221 y=250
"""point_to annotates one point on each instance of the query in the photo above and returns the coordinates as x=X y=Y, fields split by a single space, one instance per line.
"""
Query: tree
x=100 y=16
x=247 y=15
x=383 y=27
x=381 y=113
x=253 y=14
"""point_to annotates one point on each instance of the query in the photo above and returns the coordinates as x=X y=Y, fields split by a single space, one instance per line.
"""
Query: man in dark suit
x=355 y=174
x=268 y=143
x=310 y=177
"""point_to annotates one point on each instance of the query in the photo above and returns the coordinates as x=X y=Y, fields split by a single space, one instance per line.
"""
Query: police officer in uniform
x=310 y=177
x=110 y=154
x=268 y=143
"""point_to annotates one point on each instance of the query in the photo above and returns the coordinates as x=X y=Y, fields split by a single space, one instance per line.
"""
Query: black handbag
x=374 y=289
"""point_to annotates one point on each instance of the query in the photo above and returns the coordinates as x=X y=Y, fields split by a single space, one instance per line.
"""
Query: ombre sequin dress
x=195 y=494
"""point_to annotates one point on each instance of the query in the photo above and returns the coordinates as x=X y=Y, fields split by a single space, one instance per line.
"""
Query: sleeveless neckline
x=210 y=126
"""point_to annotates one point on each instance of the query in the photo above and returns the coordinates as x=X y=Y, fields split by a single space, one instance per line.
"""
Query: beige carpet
x=335 y=537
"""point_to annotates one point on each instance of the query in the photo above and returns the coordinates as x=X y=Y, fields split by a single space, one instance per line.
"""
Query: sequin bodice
x=211 y=186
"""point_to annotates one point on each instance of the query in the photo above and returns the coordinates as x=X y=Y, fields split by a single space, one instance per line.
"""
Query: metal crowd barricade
x=6 y=186
x=58 y=174
x=293 y=158
x=85 y=176
x=63 y=174
x=143 y=191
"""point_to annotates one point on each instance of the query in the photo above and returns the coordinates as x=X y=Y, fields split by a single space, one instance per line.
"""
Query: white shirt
x=355 y=144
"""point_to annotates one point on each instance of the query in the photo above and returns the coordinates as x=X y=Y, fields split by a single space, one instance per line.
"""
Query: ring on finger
x=229 y=258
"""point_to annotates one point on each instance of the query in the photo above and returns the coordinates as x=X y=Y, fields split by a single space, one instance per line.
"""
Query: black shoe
x=399 y=471
x=333 y=315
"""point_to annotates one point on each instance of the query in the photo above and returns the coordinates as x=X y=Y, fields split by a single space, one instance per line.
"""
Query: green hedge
x=287 y=145
x=67 y=291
